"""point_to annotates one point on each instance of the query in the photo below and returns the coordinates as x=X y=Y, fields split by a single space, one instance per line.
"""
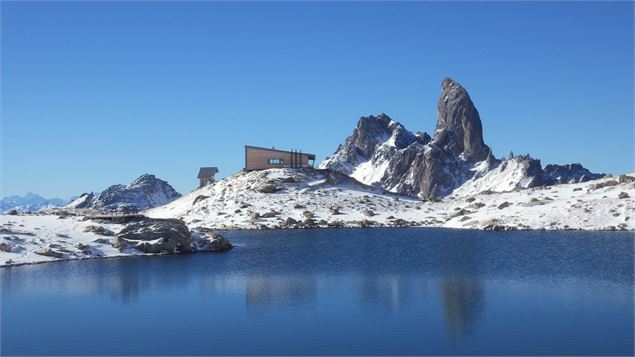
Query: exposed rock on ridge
x=459 y=125
x=381 y=152
x=145 y=192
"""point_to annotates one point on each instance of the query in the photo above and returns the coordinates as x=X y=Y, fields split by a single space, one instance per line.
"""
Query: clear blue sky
x=95 y=94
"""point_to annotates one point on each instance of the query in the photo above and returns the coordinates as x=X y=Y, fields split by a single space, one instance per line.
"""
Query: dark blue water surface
x=337 y=291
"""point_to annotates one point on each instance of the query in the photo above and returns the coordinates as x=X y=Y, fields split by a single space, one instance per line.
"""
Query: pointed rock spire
x=459 y=124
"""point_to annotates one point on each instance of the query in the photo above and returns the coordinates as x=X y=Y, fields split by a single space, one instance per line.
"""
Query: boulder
x=102 y=241
x=504 y=205
x=254 y=216
x=599 y=185
x=368 y=212
x=199 y=198
x=48 y=252
x=290 y=221
x=268 y=188
x=154 y=235
x=5 y=247
x=458 y=213
x=84 y=248
x=210 y=241
x=623 y=195
x=99 y=230
x=308 y=214
x=269 y=214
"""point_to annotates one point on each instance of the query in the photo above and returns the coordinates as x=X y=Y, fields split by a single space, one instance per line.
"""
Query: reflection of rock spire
x=463 y=304
x=289 y=290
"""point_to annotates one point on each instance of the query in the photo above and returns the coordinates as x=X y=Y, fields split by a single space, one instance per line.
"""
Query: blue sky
x=95 y=94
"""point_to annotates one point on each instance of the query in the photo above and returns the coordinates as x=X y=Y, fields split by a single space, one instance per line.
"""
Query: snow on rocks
x=26 y=239
x=307 y=198
x=145 y=192
x=298 y=202
x=303 y=198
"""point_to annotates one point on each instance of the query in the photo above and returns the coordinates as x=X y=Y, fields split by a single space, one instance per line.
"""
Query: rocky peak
x=381 y=152
x=372 y=131
x=145 y=192
x=459 y=126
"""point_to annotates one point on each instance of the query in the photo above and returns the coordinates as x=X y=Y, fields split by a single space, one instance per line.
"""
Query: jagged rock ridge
x=145 y=192
x=383 y=153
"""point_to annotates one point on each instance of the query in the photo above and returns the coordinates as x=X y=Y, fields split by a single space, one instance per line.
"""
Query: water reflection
x=264 y=290
x=121 y=279
x=463 y=304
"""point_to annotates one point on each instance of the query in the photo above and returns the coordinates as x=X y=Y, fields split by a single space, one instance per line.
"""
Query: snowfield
x=28 y=234
x=286 y=198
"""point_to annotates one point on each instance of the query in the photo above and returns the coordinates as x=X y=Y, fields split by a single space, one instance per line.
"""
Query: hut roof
x=207 y=172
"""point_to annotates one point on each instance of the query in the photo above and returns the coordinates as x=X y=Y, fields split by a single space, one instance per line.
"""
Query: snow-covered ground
x=36 y=238
x=284 y=198
x=29 y=234
x=236 y=203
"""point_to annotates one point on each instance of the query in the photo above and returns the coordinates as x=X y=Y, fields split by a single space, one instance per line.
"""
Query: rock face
x=381 y=152
x=145 y=192
x=459 y=126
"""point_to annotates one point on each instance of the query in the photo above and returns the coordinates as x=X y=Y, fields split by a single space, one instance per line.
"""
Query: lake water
x=402 y=291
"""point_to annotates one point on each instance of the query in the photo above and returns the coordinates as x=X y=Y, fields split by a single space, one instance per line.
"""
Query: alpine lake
x=374 y=291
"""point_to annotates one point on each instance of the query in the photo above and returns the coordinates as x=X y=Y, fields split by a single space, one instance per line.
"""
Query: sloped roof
x=207 y=172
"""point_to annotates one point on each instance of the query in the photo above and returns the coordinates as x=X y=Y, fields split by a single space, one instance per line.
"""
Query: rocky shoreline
x=39 y=238
x=305 y=199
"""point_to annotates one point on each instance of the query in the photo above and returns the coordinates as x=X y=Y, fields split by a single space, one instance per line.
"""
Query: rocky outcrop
x=99 y=230
x=155 y=236
x=84 y=201
x=459 y=128
x=145 y=192
x=381 y=152
x=210 y=241
x=48 y=252
x=569 y=173
x=168 y=236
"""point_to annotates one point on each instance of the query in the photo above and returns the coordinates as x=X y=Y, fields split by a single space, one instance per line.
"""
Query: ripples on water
x=345 y=291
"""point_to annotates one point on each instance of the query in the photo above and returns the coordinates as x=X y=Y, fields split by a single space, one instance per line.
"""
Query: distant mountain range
x=455 y=159
x=29 y=203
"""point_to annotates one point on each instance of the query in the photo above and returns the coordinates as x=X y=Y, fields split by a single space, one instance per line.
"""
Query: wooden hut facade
x=258 y=158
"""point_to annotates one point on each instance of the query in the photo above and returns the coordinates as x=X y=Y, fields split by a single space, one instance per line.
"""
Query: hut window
x=276 y=161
